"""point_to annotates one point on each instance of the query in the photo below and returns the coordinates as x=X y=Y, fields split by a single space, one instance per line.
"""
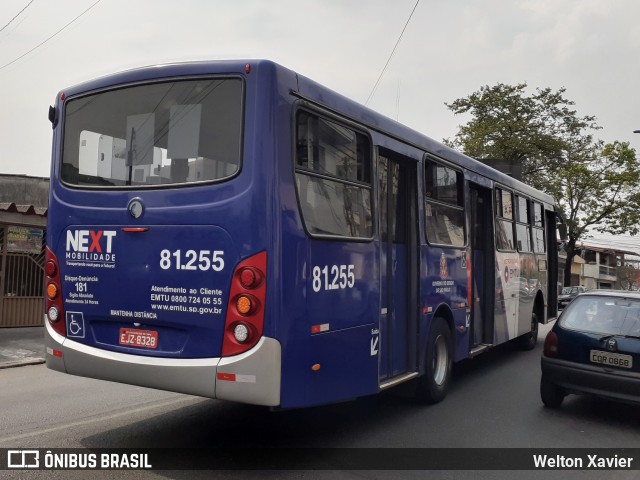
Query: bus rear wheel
x=528 y=341
x=432 y=386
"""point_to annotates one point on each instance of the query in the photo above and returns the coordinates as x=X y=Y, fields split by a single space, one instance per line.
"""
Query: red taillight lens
x=551 y=345
x=245 y=311
x=53 y=296
x=50 y=268
x=250 y=277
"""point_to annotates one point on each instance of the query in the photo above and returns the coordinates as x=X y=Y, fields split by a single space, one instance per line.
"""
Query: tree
x=594 y=185
x=597 y=188
x=532 y=131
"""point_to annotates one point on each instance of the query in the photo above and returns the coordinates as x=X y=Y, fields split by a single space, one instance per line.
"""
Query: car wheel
x=432 y=386
x=551 y=394
x=528 y=341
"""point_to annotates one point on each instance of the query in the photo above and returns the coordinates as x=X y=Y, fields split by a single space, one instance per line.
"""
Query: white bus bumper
x=252 y=377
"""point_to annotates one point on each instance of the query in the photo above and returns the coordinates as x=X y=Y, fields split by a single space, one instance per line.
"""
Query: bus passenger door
x=482 y=268
x=398 y=265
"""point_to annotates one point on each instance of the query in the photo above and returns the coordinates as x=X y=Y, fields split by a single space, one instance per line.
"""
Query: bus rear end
x=157 y=269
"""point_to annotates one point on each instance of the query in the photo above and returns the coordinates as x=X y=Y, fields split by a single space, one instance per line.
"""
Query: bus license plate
x=611 y=359
x=138 y=338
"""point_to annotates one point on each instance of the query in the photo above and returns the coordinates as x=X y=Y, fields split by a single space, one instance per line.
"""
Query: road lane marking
x=95 y=419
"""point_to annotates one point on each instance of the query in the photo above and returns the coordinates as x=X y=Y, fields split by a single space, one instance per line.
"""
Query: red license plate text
x=138 y=338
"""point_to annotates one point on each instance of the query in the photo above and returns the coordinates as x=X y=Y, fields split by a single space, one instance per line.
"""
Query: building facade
x=23 y=220
x=603 y=268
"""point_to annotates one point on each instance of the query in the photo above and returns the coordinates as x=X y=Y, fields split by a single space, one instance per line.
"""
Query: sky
x=449 y=50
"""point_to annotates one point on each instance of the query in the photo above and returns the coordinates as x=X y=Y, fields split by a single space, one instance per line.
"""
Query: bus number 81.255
x=192 y=260
x=333 y=277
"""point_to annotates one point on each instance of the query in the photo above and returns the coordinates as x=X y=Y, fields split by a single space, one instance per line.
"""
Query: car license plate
x=132 y=337
x=611 y=359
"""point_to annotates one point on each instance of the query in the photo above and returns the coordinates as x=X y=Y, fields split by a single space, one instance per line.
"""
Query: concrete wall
x=24 y=190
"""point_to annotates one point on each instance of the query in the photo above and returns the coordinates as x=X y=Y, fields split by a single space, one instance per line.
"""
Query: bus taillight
x=247 y=304
x=53 y=294
x=250 y=277
x=245 y=311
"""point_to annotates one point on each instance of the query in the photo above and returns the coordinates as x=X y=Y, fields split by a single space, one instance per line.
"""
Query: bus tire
x=528 y=341
x=551 y=394
x=433 y=385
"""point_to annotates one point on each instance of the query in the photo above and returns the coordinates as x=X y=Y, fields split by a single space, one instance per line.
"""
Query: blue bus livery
x=237 y=231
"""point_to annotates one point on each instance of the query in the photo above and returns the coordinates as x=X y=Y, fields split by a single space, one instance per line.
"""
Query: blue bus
x=237 y=231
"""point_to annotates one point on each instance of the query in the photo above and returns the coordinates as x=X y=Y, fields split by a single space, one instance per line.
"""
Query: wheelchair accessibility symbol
x=75 y=324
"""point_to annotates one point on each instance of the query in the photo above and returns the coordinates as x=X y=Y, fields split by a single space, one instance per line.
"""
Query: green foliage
x=599 y=187
x=595 y=185
x=533 y=131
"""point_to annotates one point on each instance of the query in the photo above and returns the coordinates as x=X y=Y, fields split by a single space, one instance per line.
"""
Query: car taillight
x=245 y=311
x=53 y=294
x=551 y=345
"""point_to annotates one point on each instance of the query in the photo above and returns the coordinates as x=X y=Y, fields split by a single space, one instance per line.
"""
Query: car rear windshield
x=571 y=291
x=603 y=315
x=157 y=134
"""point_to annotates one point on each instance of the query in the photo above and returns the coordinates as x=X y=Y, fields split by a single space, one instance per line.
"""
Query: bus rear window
x=156 y=134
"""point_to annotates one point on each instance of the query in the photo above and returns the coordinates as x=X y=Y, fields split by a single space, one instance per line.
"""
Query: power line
x=17 y=15
x=49 y=38
x=392 y=53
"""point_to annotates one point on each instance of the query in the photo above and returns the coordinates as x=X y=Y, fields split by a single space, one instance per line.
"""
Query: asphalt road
x=493 y=402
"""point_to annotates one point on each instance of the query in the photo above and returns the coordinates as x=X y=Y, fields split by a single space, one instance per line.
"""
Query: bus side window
x=538 y=228
x=504 y=220
x=523 y=229
x=444 y=205
x=333 y=178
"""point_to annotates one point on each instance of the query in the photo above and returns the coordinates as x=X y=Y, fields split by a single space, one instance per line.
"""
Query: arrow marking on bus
x=374 y=346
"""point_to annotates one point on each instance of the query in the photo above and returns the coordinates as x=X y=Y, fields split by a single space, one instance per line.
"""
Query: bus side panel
x=290 y=254
x=292 y=331
x=444 y=285
x=507 y=280
x=342 y=294
x=348 y=367
x=528 y=281
x=330 y=336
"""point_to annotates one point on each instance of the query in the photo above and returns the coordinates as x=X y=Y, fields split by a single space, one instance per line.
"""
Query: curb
x=22 y=363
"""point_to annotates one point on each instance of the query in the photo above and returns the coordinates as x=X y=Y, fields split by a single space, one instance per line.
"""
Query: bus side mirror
x=562 y=229
x=52 y=115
